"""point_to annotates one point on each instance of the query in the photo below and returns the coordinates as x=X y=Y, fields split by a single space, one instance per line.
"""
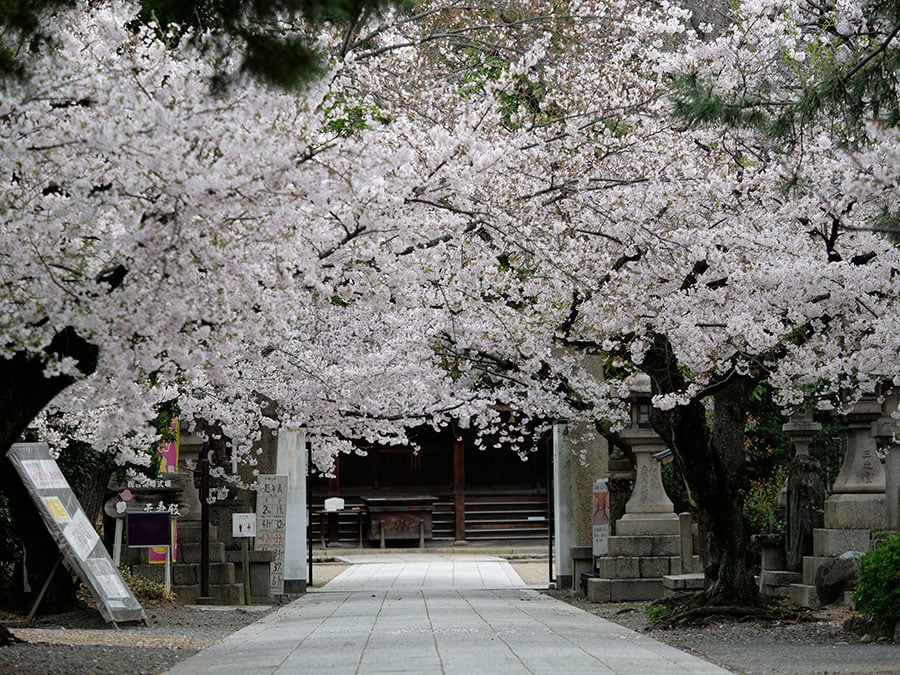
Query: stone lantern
x=804 y=494
x=649 y=510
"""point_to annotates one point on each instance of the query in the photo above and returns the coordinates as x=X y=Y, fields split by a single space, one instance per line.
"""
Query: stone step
x=829 y=542
x=189 y=531
x=619 y=590
x=642 y=524
x=781 y=578
x=804 y=595
x=680 y=584
x=222 y=594
x=855 y=511
x=635 y=567
x=191 y=553
x=647 y=545
x=811 y=565
x=184 y=574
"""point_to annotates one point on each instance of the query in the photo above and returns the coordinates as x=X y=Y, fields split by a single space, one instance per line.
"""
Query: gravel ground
x=821 y=645
x=80 y=642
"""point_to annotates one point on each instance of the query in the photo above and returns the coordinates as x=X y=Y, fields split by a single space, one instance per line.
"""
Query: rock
x=834 y=577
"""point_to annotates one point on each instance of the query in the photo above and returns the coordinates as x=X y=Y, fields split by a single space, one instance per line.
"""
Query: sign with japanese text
x=271 y=511
x=73 y=532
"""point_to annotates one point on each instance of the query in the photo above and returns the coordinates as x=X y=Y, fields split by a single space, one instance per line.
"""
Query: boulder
x=836 y=576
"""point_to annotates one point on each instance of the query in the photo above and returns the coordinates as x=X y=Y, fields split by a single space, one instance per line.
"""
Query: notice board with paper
x=73 y=532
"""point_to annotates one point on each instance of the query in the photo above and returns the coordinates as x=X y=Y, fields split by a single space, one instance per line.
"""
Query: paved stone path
x=435 y=614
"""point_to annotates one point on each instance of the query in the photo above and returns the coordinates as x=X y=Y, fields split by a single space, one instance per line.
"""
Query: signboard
x=243 y=525
x=149 y=529
x=168 y=464
x=600 y=526
x=73 y=532
x=271 y=509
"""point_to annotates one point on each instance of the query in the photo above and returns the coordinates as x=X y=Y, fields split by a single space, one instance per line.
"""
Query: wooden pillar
x=459 y=484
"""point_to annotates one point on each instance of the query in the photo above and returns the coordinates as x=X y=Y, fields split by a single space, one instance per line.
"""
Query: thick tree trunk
x=712 y=462
x=24 y=392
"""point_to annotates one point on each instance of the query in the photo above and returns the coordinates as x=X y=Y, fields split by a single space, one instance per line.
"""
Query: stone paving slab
x=430 y=616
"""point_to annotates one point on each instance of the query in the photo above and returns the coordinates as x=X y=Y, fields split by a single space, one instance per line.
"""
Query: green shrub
x=145 y=590
x=878 y=584
x=655 y=614
x=761 y=502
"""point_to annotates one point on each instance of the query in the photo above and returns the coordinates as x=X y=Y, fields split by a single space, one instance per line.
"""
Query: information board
x=243 y=525
x=271 y=512
x=150 y=529
x=73 y=532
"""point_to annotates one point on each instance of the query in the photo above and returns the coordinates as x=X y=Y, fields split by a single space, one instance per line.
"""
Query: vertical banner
x=271 y=512
x=74 y=532
x=600 y=529
x=168 y=463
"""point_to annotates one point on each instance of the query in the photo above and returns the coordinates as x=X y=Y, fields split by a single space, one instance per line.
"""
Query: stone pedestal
x=647 y=544
x=186 y=572
x=857 y=505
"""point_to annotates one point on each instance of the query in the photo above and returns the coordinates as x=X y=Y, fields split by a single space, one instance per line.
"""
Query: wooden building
x=480 y=495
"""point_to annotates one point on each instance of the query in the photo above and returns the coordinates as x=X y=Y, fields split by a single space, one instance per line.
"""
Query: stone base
x=681 y=584
x=804 y=595
x=777 y=583
x=634 y=567
x=833 y=543
x=221 y=594
x=855 y=511
x=582 y=561
x=619 y=590
x=294 y=586
x=190 y=553
x=648 y=545
x=186 y=574
x=260 y=572
x=641 y=524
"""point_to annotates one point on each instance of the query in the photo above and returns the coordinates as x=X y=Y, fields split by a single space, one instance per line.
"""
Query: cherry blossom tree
x=474 y=197
x=709 y=257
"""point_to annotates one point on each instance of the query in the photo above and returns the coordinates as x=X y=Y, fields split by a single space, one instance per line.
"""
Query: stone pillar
x=189 y=447
x=804 y=495
x=563 y=507
x=884 y=431
x=858 y=493
x=291 y=461
x=649 y=509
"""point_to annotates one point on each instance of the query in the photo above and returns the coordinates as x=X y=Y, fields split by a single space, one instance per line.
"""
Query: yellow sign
x=57 y=509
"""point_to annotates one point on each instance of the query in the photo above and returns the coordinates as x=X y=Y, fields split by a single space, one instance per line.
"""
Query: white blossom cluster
x=439 y=228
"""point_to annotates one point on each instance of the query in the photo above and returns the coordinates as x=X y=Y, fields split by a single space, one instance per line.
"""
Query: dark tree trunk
x=712 y=462
x=24 y=392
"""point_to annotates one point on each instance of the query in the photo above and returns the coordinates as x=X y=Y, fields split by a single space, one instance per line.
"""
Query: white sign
x=73 y=532
x=243 y=524
x=271 y=505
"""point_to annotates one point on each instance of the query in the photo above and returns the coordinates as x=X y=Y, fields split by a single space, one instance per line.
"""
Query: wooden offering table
x=328 y=524
x=404 y=518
